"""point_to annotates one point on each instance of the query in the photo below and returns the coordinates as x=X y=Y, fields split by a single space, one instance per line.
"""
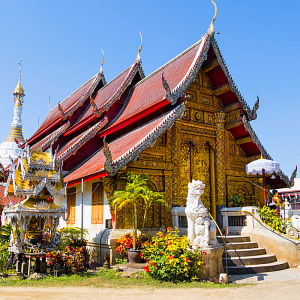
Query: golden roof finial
x=211 y=27
x=18 y=89
x=138 y=57
x=101 y=68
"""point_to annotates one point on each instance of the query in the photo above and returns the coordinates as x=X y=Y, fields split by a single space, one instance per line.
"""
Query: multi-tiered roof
x=102 y=127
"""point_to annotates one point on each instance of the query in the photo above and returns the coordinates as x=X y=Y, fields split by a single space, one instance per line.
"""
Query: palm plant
x=150 y=198
x=136 y=191
x=132 y=194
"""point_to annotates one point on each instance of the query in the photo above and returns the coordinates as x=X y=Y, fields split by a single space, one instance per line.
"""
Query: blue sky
x=60 y=44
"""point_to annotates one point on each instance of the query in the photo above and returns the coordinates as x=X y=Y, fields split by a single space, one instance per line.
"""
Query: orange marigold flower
x=169 y=228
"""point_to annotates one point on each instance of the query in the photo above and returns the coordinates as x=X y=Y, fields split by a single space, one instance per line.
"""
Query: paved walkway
x=277 y=276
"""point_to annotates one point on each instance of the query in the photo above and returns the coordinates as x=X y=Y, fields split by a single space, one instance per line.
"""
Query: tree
x=136 y=190
x=150 y=198
x=132 y=194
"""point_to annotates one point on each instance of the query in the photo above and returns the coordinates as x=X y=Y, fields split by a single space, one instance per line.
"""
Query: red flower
x=147 y=270
x=160 y=253
x=146 y=267
x=153 y=263
x=205 y=253
x=147 y=259
x=204 y=264
x=187 y=260
x=169 y=228
x=156 y=268
x=141 y=254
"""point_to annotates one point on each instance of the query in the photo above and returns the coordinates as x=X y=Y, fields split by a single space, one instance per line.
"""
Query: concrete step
x=242 y=245
x=245 y=252
x=261 y=268
x=234 y=239
x=249 y=260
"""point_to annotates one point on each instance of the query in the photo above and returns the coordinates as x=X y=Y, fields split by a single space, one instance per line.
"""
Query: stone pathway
x=277 y=276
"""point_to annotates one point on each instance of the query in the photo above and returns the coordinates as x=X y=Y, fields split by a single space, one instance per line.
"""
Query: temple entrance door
x=194 y=164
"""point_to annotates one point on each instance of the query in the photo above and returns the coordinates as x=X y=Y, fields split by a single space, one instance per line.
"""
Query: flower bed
x=169 y=258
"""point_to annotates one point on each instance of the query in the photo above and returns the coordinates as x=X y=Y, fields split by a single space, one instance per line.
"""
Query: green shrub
x=270 y=217
x=235 y=200
x=68 y=234
x=169 y=259
x=6 y=230
x=3 y=254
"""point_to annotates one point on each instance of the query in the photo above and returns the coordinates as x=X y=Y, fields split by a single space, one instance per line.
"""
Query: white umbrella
x=263 y=166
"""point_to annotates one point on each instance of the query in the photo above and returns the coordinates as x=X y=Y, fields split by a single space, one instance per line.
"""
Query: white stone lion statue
x=201 y=230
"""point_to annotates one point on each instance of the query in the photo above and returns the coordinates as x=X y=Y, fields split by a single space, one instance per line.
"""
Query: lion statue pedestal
x=202 y=230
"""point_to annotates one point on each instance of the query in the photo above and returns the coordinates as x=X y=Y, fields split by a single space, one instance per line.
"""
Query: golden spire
x=18 y=91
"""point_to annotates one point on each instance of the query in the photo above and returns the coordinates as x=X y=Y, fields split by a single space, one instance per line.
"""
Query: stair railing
x=224 y=240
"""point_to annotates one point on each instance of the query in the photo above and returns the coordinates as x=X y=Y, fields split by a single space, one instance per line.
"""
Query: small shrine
x=34 y=175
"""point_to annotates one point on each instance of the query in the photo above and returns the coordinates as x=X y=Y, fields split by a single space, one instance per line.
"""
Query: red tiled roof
x=150 y=91
x=6 y=200
x=66 y=104
x=79 y=141
x=125 y=145
x=47 y=140
x=111 y=92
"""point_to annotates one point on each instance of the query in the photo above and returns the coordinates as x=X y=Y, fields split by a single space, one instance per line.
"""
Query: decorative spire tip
x=211 y=27
x=138 y=57
x=101 y=67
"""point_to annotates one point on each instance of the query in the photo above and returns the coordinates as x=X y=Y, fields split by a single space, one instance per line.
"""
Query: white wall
x=93 y=229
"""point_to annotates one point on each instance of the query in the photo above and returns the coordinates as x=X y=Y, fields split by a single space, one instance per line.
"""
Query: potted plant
x=235 y=200
x=136 y=191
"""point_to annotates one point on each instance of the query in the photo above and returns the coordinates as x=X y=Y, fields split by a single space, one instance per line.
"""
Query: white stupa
x=9 y=148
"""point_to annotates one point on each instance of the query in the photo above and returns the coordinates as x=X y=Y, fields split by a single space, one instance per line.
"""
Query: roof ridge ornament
x=61 y=111
x=169 y=95
x=252 y=114
x=292 y=180
x=138 y=57
x=211 y=27
x=96 y=110
x=108 y=165
x=101 y=67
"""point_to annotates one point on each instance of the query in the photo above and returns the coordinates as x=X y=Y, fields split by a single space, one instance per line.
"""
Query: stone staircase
x=242 y=256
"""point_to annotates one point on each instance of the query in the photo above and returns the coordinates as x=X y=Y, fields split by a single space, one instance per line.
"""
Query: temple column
x=175 y=154
x=212 y=181
x=220 y=158
x=108 y=183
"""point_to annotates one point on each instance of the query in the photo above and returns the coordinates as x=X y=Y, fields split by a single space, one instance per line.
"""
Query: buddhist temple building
x=187 y=120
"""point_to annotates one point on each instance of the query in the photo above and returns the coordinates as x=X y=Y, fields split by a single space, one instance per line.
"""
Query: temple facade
x=187 y=120
x=10 y=148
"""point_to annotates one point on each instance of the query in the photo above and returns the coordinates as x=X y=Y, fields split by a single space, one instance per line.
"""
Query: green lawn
x=107 y=279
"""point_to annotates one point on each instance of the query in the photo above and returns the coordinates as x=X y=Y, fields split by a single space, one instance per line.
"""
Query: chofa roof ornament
x=211 y=27
x=169 y=95
x=253 y=115
x=138 y=57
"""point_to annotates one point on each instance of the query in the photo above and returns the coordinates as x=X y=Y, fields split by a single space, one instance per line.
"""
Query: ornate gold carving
x=220 y=157
x=109 y=183
x=233 y=117
x=208 y=118
x=186 y=114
